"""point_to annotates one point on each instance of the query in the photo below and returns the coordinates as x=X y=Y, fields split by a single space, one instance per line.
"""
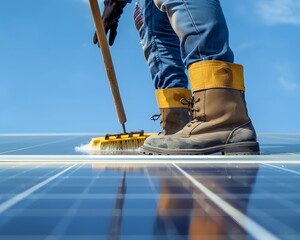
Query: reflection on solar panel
x=141 y=197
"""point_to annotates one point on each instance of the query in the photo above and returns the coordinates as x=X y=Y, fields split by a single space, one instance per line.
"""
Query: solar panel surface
x=49 y=191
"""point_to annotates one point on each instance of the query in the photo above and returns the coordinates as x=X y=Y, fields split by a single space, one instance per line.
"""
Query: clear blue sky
x=52 y=78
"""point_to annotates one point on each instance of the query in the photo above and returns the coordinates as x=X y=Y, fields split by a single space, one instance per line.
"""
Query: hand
x=111 y=15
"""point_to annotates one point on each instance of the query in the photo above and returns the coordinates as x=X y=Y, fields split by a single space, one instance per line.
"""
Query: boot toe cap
x=156 y=141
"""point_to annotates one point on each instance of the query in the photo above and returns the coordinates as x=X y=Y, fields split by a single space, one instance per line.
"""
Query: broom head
x=120 y=141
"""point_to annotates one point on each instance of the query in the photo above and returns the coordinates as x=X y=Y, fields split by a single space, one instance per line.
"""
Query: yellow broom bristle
x=123 y=142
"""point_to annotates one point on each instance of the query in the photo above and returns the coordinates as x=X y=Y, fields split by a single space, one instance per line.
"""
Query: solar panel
x=49 y=192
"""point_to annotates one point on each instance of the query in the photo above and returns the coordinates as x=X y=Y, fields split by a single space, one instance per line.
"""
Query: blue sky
x=52 y=77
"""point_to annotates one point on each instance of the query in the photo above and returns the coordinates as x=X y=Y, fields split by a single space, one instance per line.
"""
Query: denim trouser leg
x=177 y=33
x=161 y=46
x=201 y=28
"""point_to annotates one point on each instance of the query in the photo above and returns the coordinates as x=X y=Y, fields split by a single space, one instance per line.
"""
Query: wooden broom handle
x=108 y=61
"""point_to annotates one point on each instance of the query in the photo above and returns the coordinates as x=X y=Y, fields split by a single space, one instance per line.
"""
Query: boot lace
x=155 y=117
x=190 y=102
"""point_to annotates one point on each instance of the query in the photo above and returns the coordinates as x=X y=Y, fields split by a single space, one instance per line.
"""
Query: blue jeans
x=176 y=33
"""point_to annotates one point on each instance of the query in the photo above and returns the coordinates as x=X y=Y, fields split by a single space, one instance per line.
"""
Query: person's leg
x=162 y=52
x=201 y=28
x=220 y=120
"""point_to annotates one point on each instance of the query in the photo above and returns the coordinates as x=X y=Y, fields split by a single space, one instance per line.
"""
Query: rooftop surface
x=49 y=190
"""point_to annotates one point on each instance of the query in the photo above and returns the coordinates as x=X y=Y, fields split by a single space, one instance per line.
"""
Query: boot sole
x=242 y=148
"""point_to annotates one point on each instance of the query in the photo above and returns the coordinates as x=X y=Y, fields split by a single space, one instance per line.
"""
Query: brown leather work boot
x=220 y=119
x=173 y=120
x=174 y=114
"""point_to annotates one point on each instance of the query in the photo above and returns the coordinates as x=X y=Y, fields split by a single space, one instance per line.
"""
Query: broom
x=119 y=141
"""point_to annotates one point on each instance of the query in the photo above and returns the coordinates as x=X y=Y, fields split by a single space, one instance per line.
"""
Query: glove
x=111 y=15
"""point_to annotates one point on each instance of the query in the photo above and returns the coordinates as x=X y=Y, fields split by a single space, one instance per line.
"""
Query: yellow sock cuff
x=170 y=97
x=216 y=74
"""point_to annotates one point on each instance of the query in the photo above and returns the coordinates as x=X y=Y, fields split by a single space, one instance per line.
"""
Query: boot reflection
x=173 y=209
x=184 y=212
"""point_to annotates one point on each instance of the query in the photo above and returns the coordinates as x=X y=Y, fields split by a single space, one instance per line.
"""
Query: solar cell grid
x=134 y=197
